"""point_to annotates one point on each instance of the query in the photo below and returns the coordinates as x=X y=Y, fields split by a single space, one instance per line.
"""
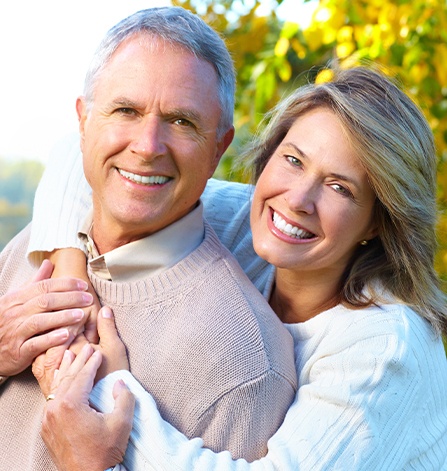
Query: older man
x=155 y=120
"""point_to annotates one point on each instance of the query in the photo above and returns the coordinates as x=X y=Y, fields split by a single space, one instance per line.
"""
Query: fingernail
x=77 y=314
x=82 y=285
x=87 y=297
x=60 y=334
x=122 y=384
x=106 y=312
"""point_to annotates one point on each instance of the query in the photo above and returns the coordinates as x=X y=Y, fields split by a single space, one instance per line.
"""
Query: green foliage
x=408 y=38
x=18 y=182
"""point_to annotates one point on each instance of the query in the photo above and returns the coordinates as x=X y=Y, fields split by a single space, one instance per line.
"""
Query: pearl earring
x=364 y=242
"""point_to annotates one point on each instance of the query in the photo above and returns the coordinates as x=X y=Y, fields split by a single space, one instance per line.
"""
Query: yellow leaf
x=324 y=76
x=281 y=47
x=345 y=49
x=345 y=34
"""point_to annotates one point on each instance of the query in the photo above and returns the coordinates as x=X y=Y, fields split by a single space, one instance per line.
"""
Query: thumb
x=45 y=271
x=124 y=407
x=107 y=332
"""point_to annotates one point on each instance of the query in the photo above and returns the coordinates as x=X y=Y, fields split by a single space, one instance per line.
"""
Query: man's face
x=149 y=139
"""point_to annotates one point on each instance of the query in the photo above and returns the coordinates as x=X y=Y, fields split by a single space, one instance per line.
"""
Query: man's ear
x=81 y=110
x=222 y=146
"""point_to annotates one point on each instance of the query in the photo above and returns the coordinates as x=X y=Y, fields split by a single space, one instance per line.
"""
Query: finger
x=123 y=411
x=91 y=326
x=108 y=334
x=40 y=291
x=45 y=271
x=124 y=399
x=34 y=346
x=78 y=343
x=45 y=365
x=67 y=359
x=81 y=375
x=57 y=301
x=44 y=322
x=53 y=360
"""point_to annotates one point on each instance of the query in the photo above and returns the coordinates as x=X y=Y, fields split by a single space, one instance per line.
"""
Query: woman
x=344 y=208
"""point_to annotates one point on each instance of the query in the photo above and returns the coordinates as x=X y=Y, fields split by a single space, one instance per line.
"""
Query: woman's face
x=313 y=204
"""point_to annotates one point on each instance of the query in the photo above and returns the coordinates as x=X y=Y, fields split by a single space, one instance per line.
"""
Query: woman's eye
x=341 y=189
x=293 y=160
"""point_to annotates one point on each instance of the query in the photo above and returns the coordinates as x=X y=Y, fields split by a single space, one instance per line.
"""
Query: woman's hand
x=77 y=436
x=113 y=352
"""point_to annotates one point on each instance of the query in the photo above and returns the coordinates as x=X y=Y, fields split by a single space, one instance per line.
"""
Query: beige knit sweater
x=200 y=338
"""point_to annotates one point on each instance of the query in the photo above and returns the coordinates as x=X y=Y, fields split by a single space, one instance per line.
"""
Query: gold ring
x=50 y=397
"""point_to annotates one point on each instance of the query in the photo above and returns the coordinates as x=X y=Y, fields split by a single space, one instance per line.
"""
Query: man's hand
x=113 y=351
x=77 y=436
x=29 y=323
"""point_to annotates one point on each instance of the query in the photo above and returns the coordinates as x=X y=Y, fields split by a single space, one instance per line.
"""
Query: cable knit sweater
x=372 y=397
x=200 y=338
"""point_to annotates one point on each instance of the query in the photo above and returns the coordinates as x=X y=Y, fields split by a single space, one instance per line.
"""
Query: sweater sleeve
x=368 y=401
x=62 y=200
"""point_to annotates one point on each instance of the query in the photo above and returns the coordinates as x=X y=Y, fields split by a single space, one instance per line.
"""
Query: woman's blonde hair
x=395 y=145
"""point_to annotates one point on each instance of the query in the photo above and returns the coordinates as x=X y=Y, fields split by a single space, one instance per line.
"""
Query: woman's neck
x=297 y=298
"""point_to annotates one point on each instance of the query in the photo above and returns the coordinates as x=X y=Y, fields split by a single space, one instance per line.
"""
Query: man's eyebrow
x=123 y=103
x=188 y=114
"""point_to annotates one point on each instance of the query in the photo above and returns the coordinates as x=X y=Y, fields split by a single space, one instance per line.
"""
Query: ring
x=50 y=397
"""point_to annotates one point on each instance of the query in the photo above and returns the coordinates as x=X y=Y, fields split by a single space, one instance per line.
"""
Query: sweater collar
x=150 y=255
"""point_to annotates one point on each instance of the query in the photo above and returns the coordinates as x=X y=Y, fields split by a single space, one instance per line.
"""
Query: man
x=155 y=120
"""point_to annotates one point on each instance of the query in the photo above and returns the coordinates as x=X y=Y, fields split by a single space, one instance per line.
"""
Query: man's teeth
x=288 y=229
x=152 y=180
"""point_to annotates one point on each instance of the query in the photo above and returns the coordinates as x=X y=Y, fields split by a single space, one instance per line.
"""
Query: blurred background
x=276 y=45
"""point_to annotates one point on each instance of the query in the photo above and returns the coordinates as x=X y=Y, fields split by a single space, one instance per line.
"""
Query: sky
x=45 y=49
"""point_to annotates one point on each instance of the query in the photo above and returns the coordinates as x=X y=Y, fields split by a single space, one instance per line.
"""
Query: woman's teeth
x=288 y=229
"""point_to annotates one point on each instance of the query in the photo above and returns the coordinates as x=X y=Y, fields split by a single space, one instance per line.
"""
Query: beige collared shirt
x=149 y=255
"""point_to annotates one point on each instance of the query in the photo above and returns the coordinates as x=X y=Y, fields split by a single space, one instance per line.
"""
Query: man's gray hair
x=178 y=27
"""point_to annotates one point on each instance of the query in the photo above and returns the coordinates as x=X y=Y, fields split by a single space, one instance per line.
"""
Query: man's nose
x=149 y=138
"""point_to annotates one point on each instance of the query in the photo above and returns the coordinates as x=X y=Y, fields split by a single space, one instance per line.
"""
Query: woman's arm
x=61 y=203
x=360 y=406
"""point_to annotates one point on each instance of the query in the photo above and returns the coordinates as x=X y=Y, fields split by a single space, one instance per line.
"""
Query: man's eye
x=126 y=111
x=183 y=122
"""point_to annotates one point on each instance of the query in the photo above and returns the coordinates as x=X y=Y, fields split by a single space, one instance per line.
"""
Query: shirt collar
x=149 y=255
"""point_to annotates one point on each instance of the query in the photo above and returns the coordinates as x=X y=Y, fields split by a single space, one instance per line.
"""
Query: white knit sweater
x=372 y=397
x=373 y=382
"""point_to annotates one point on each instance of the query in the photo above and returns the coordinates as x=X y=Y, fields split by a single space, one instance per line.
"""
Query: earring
x=364 y=242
